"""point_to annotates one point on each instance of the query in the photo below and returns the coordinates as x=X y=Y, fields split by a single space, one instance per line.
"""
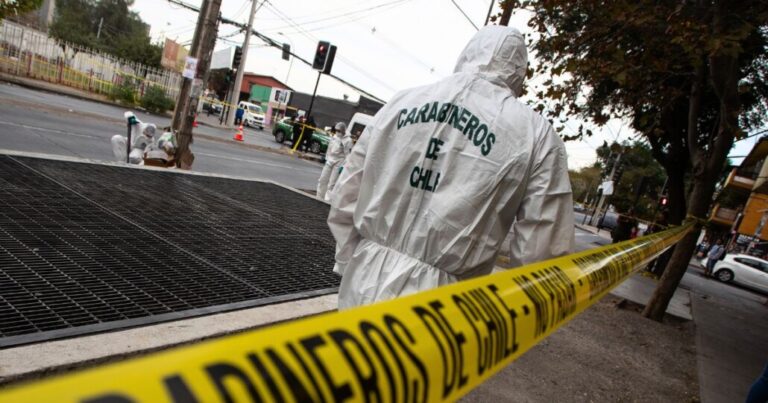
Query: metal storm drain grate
x=87 y=248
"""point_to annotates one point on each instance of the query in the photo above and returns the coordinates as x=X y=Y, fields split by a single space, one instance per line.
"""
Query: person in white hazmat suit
x=339 y=146
x=444 y=173
x=142 y=137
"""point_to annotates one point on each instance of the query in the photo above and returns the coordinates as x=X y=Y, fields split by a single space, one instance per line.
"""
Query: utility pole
x=241 y=68
x=599 y=208
x=191 y=89
x=490 y=9
x=506 y=12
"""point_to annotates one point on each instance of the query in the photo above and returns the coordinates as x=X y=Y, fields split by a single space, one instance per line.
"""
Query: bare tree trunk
x=707 y=164
x=678 y=263
x=676 y=193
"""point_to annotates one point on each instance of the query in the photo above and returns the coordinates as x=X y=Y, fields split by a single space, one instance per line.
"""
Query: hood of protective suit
x=497 y=54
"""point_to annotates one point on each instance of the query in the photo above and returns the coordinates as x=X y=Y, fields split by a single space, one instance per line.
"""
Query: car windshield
x=254 y=109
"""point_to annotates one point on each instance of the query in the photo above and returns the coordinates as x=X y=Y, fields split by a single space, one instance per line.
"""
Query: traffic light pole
x=312 y=101
x=235 y=98
x=309 y=113
x=225 y=108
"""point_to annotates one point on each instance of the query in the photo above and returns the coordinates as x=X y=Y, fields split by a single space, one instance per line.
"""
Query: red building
x=250 y=79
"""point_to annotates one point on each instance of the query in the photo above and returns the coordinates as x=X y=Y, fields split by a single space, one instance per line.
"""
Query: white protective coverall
x=142 y=137
x=339 y=147
x=436 y=182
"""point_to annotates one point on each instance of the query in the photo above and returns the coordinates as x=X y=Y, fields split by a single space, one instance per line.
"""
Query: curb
x=584 y=228
x=297 y=154
x=31 y=83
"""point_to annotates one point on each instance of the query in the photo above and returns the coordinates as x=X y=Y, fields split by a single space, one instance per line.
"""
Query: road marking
x=43 y=129
x=256 y=162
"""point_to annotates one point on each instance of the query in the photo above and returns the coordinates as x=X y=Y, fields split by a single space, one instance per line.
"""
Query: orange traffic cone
x=239 y=135
x=194 y=122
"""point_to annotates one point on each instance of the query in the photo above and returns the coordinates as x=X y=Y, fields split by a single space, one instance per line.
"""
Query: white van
x=358 y=123
x=253 y=115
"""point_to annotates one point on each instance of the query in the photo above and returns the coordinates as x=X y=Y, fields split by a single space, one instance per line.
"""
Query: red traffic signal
x=321 y=55
x=663 y=201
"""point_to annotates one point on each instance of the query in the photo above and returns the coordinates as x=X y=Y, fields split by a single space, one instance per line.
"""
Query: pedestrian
x=306 y=142
x=298 y=126
x=702 y=248
x=624 y=225
x=239 y=116
x=443 y=173
x=339 y=146
x=716 y=252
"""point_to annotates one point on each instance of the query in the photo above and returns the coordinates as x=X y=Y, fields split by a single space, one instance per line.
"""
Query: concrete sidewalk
x=600 y=232
x=731 y=327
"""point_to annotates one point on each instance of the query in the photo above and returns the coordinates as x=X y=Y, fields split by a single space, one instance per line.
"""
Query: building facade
x=744 y=212
x=328 y=111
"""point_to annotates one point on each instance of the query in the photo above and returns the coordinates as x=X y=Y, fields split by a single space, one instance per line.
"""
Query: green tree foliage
x=218 y=82
x=689 y=76
x=125 y=92
x=639 y=185
x=155 y=101
x=584 y=182
x=13 y=8
x=123 y=33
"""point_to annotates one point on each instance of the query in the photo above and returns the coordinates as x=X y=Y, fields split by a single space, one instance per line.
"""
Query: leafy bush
x=124 y=93
x=155 y=100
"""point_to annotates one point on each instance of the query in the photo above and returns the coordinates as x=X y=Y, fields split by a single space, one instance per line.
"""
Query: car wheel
x=260 y=127
x=280 y=136
x=315 y=147
x=724 y=275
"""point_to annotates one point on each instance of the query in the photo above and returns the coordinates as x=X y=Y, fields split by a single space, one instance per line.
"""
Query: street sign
x=607 y=187
x=222 y=59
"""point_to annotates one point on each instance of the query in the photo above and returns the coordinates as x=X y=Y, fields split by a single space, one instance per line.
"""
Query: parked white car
x=253 y=115
x=743 y=269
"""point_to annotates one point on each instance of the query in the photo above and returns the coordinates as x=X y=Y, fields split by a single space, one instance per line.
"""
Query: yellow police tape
x=432 y=346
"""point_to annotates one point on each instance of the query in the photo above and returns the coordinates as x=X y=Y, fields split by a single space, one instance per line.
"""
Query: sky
x=384 y=46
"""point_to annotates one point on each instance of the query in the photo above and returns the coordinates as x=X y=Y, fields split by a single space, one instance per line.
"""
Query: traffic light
x=663 y=201
x=321 y=55
x=238 y=57
x=329 y=62
x=286 y=51
x=230 y=76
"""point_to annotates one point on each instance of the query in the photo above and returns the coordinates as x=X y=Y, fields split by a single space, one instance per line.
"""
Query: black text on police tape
x=389 y=357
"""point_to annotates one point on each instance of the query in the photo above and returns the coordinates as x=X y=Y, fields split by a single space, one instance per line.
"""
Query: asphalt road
x=42 y=122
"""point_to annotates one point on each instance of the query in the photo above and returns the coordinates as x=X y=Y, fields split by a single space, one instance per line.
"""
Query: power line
x=275 y=44
x=464 y=14
x=314 y=15
x=390 y=4
x=240 y=10
x=313 y=38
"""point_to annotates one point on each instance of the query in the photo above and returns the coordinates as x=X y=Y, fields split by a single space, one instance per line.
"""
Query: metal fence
x=28 y=52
